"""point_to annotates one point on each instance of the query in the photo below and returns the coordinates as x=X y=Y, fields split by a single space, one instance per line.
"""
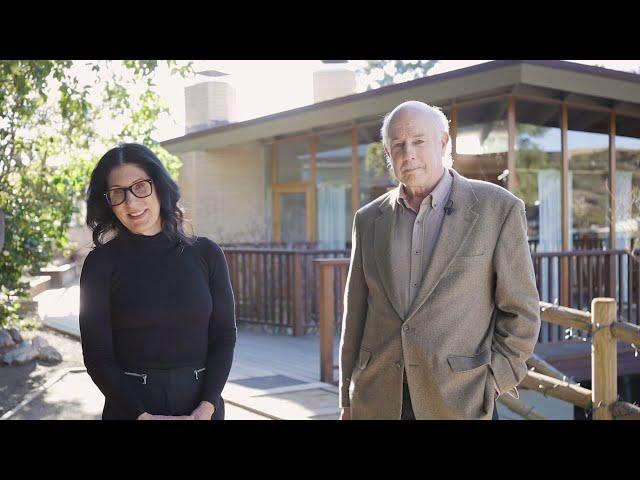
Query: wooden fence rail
x=605 y=331
x=564 y=390
x=627 y=333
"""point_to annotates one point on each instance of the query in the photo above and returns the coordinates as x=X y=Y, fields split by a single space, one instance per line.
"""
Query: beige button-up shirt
x=414 y=237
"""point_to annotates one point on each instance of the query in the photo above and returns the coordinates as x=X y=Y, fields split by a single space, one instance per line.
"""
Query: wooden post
x=312 y=195
x=512 y=180
x=564 y=129
x=566 y=228
x=604 y=359
x=565 y=285
x=609 y=275
x=298 y=296
x=327 y=321
x=612 y=180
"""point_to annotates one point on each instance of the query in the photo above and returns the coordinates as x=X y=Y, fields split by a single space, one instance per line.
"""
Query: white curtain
x=623 y=222
x=623 y=209
x=550 y=229
x=550 y=209
x=332 y=217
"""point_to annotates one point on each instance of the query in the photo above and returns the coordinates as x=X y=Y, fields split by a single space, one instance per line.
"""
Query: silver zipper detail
x=196 y=372
x=141 y=375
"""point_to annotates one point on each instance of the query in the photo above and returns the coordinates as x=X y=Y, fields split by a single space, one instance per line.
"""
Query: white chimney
x=333 y=82
x=209 y=104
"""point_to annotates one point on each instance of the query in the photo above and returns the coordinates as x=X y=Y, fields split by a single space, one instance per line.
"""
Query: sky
x=264 y=87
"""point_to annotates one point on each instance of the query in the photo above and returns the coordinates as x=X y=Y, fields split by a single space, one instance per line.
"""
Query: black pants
x=164 y=392
x=407 y=409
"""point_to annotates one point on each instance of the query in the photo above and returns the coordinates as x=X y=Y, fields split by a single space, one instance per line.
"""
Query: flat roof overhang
x=554 y=79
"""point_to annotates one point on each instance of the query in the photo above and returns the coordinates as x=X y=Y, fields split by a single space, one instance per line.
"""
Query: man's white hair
x=439 y=119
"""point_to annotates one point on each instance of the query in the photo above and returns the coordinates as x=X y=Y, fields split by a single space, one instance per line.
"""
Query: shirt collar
x=436 y=198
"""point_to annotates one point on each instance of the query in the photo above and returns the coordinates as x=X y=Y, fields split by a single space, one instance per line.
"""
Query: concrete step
x=62 y=275
x=39 y=284
x=59 y=308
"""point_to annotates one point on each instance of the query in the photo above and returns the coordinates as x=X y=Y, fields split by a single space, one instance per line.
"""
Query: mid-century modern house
x=562 y=136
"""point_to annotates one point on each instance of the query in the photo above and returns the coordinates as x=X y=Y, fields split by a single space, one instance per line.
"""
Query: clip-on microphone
x=448 y=209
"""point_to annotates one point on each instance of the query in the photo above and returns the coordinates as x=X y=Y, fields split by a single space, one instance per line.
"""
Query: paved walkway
x=71 y=395
x=273 y=376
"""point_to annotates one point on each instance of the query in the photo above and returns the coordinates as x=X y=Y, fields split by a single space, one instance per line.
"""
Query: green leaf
x=39 y=200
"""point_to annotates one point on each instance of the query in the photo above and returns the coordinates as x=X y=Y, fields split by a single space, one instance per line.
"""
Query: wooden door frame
x=294 y=187
x=308 y=188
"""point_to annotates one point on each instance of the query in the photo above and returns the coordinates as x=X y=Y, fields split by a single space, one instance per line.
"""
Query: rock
x=39 y=343
x=6 y=340
x=22 y=354
x=15 y=334
x=49 y=354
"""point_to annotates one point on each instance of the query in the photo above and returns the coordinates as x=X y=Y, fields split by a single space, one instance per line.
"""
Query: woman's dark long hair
x=100 y=217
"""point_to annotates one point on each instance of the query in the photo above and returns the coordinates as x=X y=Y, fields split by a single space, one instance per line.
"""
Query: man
x=441 y=306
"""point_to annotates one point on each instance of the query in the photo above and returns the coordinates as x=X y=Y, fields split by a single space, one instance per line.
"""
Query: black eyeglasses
x=141 y=189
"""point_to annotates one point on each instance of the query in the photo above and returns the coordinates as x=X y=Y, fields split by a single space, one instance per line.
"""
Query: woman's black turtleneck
x=148 y=302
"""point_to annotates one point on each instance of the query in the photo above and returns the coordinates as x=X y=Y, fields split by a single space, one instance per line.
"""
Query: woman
x=156 y=306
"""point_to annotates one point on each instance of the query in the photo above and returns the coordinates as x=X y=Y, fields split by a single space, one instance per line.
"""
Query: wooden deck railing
x=572 y=279
x=277 y=287
x=589 y=274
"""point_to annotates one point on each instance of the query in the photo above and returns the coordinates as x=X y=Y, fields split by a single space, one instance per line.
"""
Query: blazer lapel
x=382 y=249
x=455 y=230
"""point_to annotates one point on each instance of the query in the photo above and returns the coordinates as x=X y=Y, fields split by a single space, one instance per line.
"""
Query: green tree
x=380 y=73
x=50 y=115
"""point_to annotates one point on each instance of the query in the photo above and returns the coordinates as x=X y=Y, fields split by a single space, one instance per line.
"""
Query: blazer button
x=406 y=328
x=398 y=365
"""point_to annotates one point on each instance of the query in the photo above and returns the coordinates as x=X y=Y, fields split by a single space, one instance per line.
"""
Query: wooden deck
x=278 y=376
x=259 y=354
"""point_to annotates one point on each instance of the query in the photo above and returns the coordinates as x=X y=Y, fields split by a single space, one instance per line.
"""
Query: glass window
x=375 y=178
x=588 y=145
x=538 y=156
x=482 y=142
x=267 y=155
x=333 y=174
x=293 y=211
x=294 y=161
x=627 y=182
